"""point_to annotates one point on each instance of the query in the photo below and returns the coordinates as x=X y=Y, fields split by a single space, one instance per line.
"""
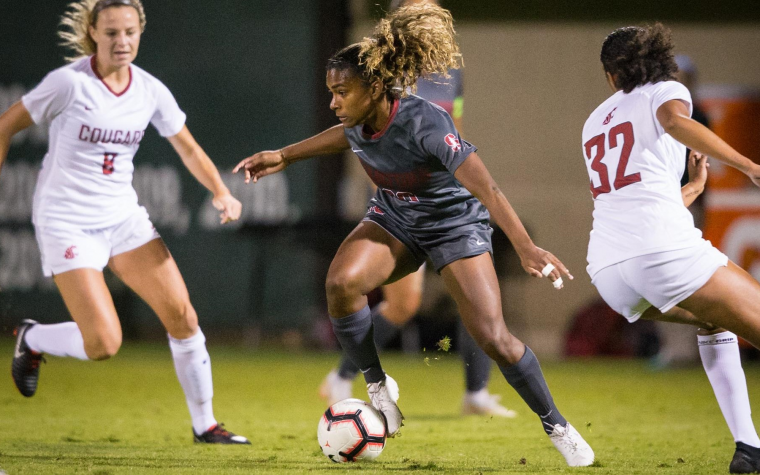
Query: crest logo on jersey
x=453 y=142
x=375 y=210
x=108 y=159
x=70 y=254
x=609 y=117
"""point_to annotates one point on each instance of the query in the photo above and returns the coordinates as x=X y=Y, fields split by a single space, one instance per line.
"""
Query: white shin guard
x=193 y=365
x=722 y=363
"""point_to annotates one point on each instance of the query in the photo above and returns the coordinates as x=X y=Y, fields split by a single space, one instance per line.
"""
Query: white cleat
x=571 y=445
x=334 y=388
x=384 y=396
x=484 y=404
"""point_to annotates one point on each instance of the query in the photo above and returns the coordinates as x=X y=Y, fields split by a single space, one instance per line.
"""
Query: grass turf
x=128 y=415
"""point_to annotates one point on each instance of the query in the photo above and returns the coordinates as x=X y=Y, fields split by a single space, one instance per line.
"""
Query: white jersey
x=86 y=176
x=635 y=169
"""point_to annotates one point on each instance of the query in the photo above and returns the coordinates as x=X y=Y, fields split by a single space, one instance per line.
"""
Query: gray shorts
x=442 y=248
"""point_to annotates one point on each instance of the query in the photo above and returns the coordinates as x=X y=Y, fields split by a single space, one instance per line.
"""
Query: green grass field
x=128 y=415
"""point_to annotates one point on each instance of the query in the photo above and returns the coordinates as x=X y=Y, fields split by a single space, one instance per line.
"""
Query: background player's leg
x=152 y=273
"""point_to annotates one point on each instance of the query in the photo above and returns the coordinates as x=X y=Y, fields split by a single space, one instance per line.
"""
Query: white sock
x=193 y=365
x=61 y=339
x=720 y=357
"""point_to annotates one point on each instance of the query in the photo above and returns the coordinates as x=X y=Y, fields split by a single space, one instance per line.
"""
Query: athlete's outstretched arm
x=204 y=170
x=13 y=121
x=674 y=118
x=331 y=141
x=472 y=173
x=697 y=166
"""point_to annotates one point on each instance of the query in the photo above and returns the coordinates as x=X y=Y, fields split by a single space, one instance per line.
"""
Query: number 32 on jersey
x=620 y=135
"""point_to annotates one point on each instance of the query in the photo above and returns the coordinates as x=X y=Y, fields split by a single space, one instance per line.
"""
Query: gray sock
x=354 y=332
x=477 y=364
x=528 y=380
x=384 y=332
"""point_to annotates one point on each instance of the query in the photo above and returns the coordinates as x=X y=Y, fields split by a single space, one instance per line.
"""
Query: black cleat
x=26 y=363
x=746 y=459
x=219 y=435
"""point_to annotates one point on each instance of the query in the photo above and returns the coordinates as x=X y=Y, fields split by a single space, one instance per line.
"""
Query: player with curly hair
x=646 y=257
x=435 y=199
x=402 y=299
x=86 y=214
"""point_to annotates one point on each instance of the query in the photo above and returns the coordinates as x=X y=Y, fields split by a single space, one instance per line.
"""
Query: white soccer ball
x=351 y=430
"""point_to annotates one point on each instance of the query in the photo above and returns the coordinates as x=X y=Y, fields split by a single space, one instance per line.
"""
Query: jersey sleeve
x=440 y=139
x=168 y=118
x=51 y=96
x=668 y=91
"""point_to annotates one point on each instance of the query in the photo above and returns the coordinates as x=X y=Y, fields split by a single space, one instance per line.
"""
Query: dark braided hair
x=639 y=55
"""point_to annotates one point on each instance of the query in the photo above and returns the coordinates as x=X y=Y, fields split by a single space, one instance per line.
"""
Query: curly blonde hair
x=411 y=42
x=82 y=14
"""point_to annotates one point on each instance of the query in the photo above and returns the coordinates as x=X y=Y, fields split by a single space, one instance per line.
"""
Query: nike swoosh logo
x=355 y=150
x=87 y=108
x=479 y=243
x=16 y=352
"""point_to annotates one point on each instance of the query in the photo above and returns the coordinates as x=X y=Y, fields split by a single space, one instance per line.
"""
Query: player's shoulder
x=147 y=80
x=422 y=111
x=653 y=88
x=71 y=74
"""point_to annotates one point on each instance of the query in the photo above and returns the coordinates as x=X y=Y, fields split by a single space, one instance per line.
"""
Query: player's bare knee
x=342 y=287
x=102 y=348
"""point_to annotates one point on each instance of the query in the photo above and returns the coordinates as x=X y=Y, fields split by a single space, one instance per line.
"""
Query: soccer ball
x=351 y=430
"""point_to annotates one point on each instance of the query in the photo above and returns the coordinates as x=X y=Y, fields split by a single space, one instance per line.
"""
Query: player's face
x=117 y=34
x=352 y=98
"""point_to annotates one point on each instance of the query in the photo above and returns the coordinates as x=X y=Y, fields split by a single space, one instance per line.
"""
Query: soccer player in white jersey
x=86 y=214
x=645 y=256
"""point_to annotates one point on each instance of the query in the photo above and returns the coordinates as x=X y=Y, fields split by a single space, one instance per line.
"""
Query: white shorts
x=662 y=279
x=63 y=250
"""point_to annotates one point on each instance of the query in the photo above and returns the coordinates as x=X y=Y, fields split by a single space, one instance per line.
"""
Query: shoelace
x=219 y=429
x=561 y=435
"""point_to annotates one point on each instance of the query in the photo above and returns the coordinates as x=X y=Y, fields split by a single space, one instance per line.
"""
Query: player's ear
x=376 y=89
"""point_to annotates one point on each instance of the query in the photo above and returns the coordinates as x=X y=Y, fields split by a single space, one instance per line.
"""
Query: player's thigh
x=150 y=270
x=89 y=302
x=730 y=299
x=473 y=284
x=403 y=297
x=368 y=258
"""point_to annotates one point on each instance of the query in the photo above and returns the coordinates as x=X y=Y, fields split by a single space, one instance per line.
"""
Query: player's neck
x=116 y=77
x=381 y=117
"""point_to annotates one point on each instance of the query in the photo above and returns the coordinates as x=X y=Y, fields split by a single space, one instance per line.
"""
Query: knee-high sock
x=384 y=331
x=722 y=363
x=527 y=379
x=60 y=339
x=477 y=364
x=193 y=365
x=354 y=332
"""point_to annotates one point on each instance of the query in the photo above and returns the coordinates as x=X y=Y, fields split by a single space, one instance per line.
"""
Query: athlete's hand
x=536 y=259
x=229 y=206
x=698 y=166
x=754 y=174
x=262 y=164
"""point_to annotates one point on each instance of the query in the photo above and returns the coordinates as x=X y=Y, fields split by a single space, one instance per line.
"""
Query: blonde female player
x=402 y=299
x=86 y=214
x=645 y=256
x=433 y=200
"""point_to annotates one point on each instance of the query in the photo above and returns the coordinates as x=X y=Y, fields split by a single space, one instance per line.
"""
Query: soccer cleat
x=26 y=363
x=219 y=435
x=571 y=445
x=484 y=404
x=384 y=396
x=746 y=459
x=334 y=388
